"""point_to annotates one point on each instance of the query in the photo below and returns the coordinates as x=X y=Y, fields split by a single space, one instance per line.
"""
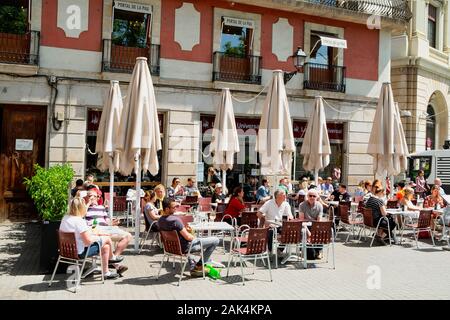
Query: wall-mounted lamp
x=298 y=58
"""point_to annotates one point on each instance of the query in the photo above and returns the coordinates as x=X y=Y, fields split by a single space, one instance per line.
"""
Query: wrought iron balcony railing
x=324 y=77
x=394 y=9
x=232 y=68
x=19 y=48
x=122 y=59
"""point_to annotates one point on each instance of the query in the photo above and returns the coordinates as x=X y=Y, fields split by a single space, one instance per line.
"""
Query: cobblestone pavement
x=380 y=272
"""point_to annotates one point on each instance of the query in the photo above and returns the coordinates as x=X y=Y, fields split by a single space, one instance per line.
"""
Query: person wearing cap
x=218 y=196
x=263 y=193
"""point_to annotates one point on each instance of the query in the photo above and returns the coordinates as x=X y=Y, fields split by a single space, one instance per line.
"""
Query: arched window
x=430 y=141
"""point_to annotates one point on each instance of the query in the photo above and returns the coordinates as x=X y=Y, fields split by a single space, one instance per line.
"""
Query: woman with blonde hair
x=160 y=192
x=434 y=200
x=74 y=222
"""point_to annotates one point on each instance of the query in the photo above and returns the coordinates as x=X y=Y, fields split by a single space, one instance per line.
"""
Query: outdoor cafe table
x=212 y=226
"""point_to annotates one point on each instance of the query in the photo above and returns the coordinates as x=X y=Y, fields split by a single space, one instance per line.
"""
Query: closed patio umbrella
x=108 y=158
x=275 y=141
x=387 y=143
x=138 y=140
x=316 y=144
x=225 y=141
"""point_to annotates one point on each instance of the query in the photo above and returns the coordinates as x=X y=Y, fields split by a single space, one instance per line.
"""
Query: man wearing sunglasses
x=312 y=210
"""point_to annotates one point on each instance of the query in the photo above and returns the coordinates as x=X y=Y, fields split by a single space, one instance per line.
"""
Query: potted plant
x=49 y=189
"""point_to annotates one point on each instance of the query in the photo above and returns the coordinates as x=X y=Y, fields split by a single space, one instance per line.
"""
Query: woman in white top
x=74 y=222
x=408 y=205
x=151 y=213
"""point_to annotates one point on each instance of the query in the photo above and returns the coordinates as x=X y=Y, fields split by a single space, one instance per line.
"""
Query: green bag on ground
x=213 y=272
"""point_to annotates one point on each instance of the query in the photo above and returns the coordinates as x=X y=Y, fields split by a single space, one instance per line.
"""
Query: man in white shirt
x=273 y=211
x=438 y=182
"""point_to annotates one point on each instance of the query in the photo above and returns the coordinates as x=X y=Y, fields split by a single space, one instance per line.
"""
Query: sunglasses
x=312 y=196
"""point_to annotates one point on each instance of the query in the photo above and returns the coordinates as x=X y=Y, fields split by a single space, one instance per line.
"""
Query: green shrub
x=49 y=189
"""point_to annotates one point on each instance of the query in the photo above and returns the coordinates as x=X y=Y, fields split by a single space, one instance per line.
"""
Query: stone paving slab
x=380 y=272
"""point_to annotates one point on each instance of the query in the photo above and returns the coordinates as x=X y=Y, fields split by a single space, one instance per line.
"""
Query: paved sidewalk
x=380 y=272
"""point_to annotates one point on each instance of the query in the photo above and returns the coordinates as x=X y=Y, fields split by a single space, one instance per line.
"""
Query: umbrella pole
x=224 y=180
x=111 y=188
x=137 y=221
x=316 y=177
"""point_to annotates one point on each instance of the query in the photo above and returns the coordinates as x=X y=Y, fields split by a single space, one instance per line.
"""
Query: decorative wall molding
x=187 y=26
x=282 y=39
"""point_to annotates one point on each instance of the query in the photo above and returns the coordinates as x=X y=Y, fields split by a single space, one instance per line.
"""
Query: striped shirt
x=375 y=204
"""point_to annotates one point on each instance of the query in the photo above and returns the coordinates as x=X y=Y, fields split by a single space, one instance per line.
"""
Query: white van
x=434 y=163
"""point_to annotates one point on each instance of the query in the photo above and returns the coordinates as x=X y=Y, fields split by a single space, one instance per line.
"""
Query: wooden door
x=23 y=131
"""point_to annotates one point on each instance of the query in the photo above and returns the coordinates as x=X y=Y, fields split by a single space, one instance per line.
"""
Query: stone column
x=419 y=41
x=446 y=10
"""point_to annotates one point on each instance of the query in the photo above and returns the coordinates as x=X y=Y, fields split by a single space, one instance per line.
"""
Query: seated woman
x=236 y=204
x=160 y=192
x=74 y=222
x=151 y=213
x=408 y=194
x=176 y=190
x=376 y=203
x=434 y=200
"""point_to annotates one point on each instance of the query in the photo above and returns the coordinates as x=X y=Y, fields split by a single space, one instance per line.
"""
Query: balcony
x=324 y=77
x=19 y=48
x=394 y=9
x=122 y=59
x=237 y=69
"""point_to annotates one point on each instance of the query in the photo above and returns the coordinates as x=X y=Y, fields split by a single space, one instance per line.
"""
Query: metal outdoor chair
x=204 y=204
x=322 y=235
x=369 y=225
x=153 y=228
x=290 y=236
x=255 y=249
x=249 y=218
x=172 y=248
x=190 y=200
x=348 y=221
x=186 y=219
x=120 y=206
x=68 y=254
x=392 y=204
x=422 y=224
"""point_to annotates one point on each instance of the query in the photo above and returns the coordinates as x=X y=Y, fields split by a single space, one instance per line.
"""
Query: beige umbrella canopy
x=108 y=129
x=387 y=143
x=316 y=144
x=139 y=138
x=275 y=142
x=225 y=141
x=108 y=158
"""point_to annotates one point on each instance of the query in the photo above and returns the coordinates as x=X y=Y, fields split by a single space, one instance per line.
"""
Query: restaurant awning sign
x=135 y=7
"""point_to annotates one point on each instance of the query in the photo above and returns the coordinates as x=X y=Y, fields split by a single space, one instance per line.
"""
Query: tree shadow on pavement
x=19 y=248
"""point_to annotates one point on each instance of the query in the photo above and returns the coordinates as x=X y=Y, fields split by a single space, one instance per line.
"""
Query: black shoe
x=121 y=269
